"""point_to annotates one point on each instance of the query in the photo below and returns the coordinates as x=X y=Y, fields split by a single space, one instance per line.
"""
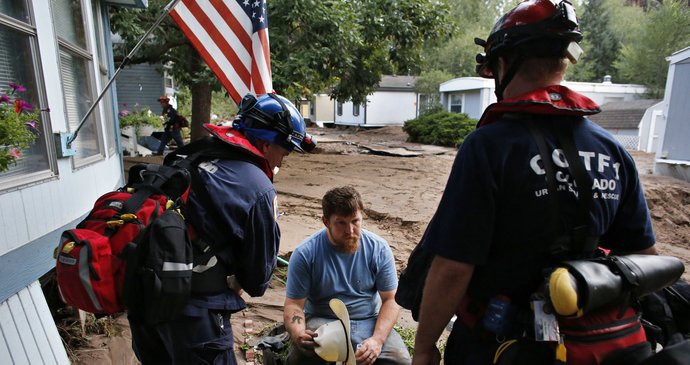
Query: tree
x=167 y=44
x=339 y=46
x=666 y=29
x=600 y=44
x=427 y=85
x=344 y=47
x=472 y=18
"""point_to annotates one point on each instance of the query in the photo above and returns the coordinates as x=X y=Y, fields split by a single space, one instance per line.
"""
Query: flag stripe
x=235 y=93
x=232 y=38
x=240 y=60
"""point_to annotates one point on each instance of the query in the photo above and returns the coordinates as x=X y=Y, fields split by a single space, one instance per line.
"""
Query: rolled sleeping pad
x=583 y=286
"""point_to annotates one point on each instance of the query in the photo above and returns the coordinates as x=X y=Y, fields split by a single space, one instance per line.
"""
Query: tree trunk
x=201 y=109
x=201 y=100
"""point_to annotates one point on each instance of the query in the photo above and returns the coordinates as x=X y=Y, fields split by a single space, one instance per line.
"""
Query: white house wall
x=27 y=331
x=33 y=214
x=347 y=116
x=390 y=108
x=652 y=124
x=324 y=112
x=474 y=106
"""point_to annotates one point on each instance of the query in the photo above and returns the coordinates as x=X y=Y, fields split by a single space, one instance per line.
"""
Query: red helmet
x=551 y=24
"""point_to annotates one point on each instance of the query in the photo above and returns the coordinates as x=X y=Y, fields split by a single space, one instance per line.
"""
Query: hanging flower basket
x=18 y=126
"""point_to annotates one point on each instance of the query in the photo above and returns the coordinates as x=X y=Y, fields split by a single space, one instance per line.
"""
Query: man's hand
x=368 y=351
x=432 y=357
x=305 y=342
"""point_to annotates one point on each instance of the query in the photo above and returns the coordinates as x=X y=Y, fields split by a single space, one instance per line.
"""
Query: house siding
x=34 y=211
x=27 y=331
x=381 y=112
x=141 y=84
x=676 y=145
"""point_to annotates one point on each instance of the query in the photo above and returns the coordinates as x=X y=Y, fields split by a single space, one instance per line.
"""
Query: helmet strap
x=508 y=76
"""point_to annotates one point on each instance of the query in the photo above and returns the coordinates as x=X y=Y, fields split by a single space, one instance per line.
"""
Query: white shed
x=393 y=102
x=471 y=95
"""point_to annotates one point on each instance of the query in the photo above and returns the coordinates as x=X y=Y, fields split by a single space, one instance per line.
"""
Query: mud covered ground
x=401 y=195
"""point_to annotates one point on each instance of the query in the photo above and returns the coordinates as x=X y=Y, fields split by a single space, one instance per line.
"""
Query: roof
x=397 y=83
x=623 y=114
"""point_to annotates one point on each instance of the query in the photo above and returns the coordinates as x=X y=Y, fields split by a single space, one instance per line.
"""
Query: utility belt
x=209 y=273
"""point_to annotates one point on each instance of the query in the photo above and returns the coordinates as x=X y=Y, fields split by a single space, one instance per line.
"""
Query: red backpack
x=95 y=261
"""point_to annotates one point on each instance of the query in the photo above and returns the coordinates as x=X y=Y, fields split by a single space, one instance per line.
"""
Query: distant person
x=172 y=126
x=234 y=225
x=493 y=233
x=354 y=265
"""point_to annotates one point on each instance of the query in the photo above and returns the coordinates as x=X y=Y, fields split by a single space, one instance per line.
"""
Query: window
x=19 y=61
x=107 y=100
x=75 y=66
x=456 y=103
x=339 y=108
x=355 y=110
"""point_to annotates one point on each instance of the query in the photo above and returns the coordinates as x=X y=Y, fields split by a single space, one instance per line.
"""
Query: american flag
x=232 y=37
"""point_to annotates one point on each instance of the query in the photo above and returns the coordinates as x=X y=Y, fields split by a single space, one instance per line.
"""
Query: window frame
x=87 y=54
x=451 y=105
x=12 y=183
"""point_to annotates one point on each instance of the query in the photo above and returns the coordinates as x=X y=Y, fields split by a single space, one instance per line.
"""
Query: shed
x=393 y=102
x=623 y=119
x=673 y=157
x=471 y=95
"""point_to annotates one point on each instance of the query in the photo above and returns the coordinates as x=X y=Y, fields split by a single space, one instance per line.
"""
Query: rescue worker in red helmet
x=234 y=227
x=493 y=232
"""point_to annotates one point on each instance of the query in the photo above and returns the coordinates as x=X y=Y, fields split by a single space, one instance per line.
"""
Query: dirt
x=401 y=195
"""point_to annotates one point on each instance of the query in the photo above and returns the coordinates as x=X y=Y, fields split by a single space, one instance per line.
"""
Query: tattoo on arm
x=297 y=319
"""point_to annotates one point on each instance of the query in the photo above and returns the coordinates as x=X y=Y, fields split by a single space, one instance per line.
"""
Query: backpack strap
x=577 y=242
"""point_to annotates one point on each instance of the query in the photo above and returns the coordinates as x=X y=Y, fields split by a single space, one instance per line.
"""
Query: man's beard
x=348 y=245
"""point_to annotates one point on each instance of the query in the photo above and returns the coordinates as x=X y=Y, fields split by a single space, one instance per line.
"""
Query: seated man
x=354 y=265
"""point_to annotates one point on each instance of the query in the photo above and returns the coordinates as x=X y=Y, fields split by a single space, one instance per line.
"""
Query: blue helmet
x=274 y=119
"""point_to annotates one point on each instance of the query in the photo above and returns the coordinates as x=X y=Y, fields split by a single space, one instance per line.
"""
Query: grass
x=408 y=335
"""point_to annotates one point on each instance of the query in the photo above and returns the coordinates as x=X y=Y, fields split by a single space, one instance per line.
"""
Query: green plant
x=138 y=117
x=440 y=128
x=18 y=126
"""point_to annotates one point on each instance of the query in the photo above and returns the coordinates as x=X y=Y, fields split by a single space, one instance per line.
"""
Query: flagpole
x=124 y=63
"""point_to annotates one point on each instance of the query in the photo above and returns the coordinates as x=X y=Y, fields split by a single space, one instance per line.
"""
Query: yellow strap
x=561 y=354
x=115 y=223
x=501 y=349
x=127 y=217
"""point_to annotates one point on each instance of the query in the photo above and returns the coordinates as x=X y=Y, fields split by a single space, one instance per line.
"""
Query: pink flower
x=124 y=113
x=4 y=98
x=16 y=153
x=16 y=87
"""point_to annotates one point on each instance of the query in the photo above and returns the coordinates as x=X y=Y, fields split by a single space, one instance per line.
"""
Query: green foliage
x=344 y=47
x=470 y=19
x=18 y=126
x=665 y=30
x=441 y=128
x=427 y=85
x=339 y=46
x=138 y=117
x=407 y=335
x=600 y=44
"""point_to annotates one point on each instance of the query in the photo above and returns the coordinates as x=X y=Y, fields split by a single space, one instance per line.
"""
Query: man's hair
x=344 y=201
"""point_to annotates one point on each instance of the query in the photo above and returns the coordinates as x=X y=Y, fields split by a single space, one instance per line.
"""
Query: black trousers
x=205 y=338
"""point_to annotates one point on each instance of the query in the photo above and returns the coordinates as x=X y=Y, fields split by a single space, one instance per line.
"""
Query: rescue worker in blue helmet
x=232 y=213
x=494 y=235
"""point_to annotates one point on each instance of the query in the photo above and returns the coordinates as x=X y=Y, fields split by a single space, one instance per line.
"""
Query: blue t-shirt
x=495 y=211
x=319 y=272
